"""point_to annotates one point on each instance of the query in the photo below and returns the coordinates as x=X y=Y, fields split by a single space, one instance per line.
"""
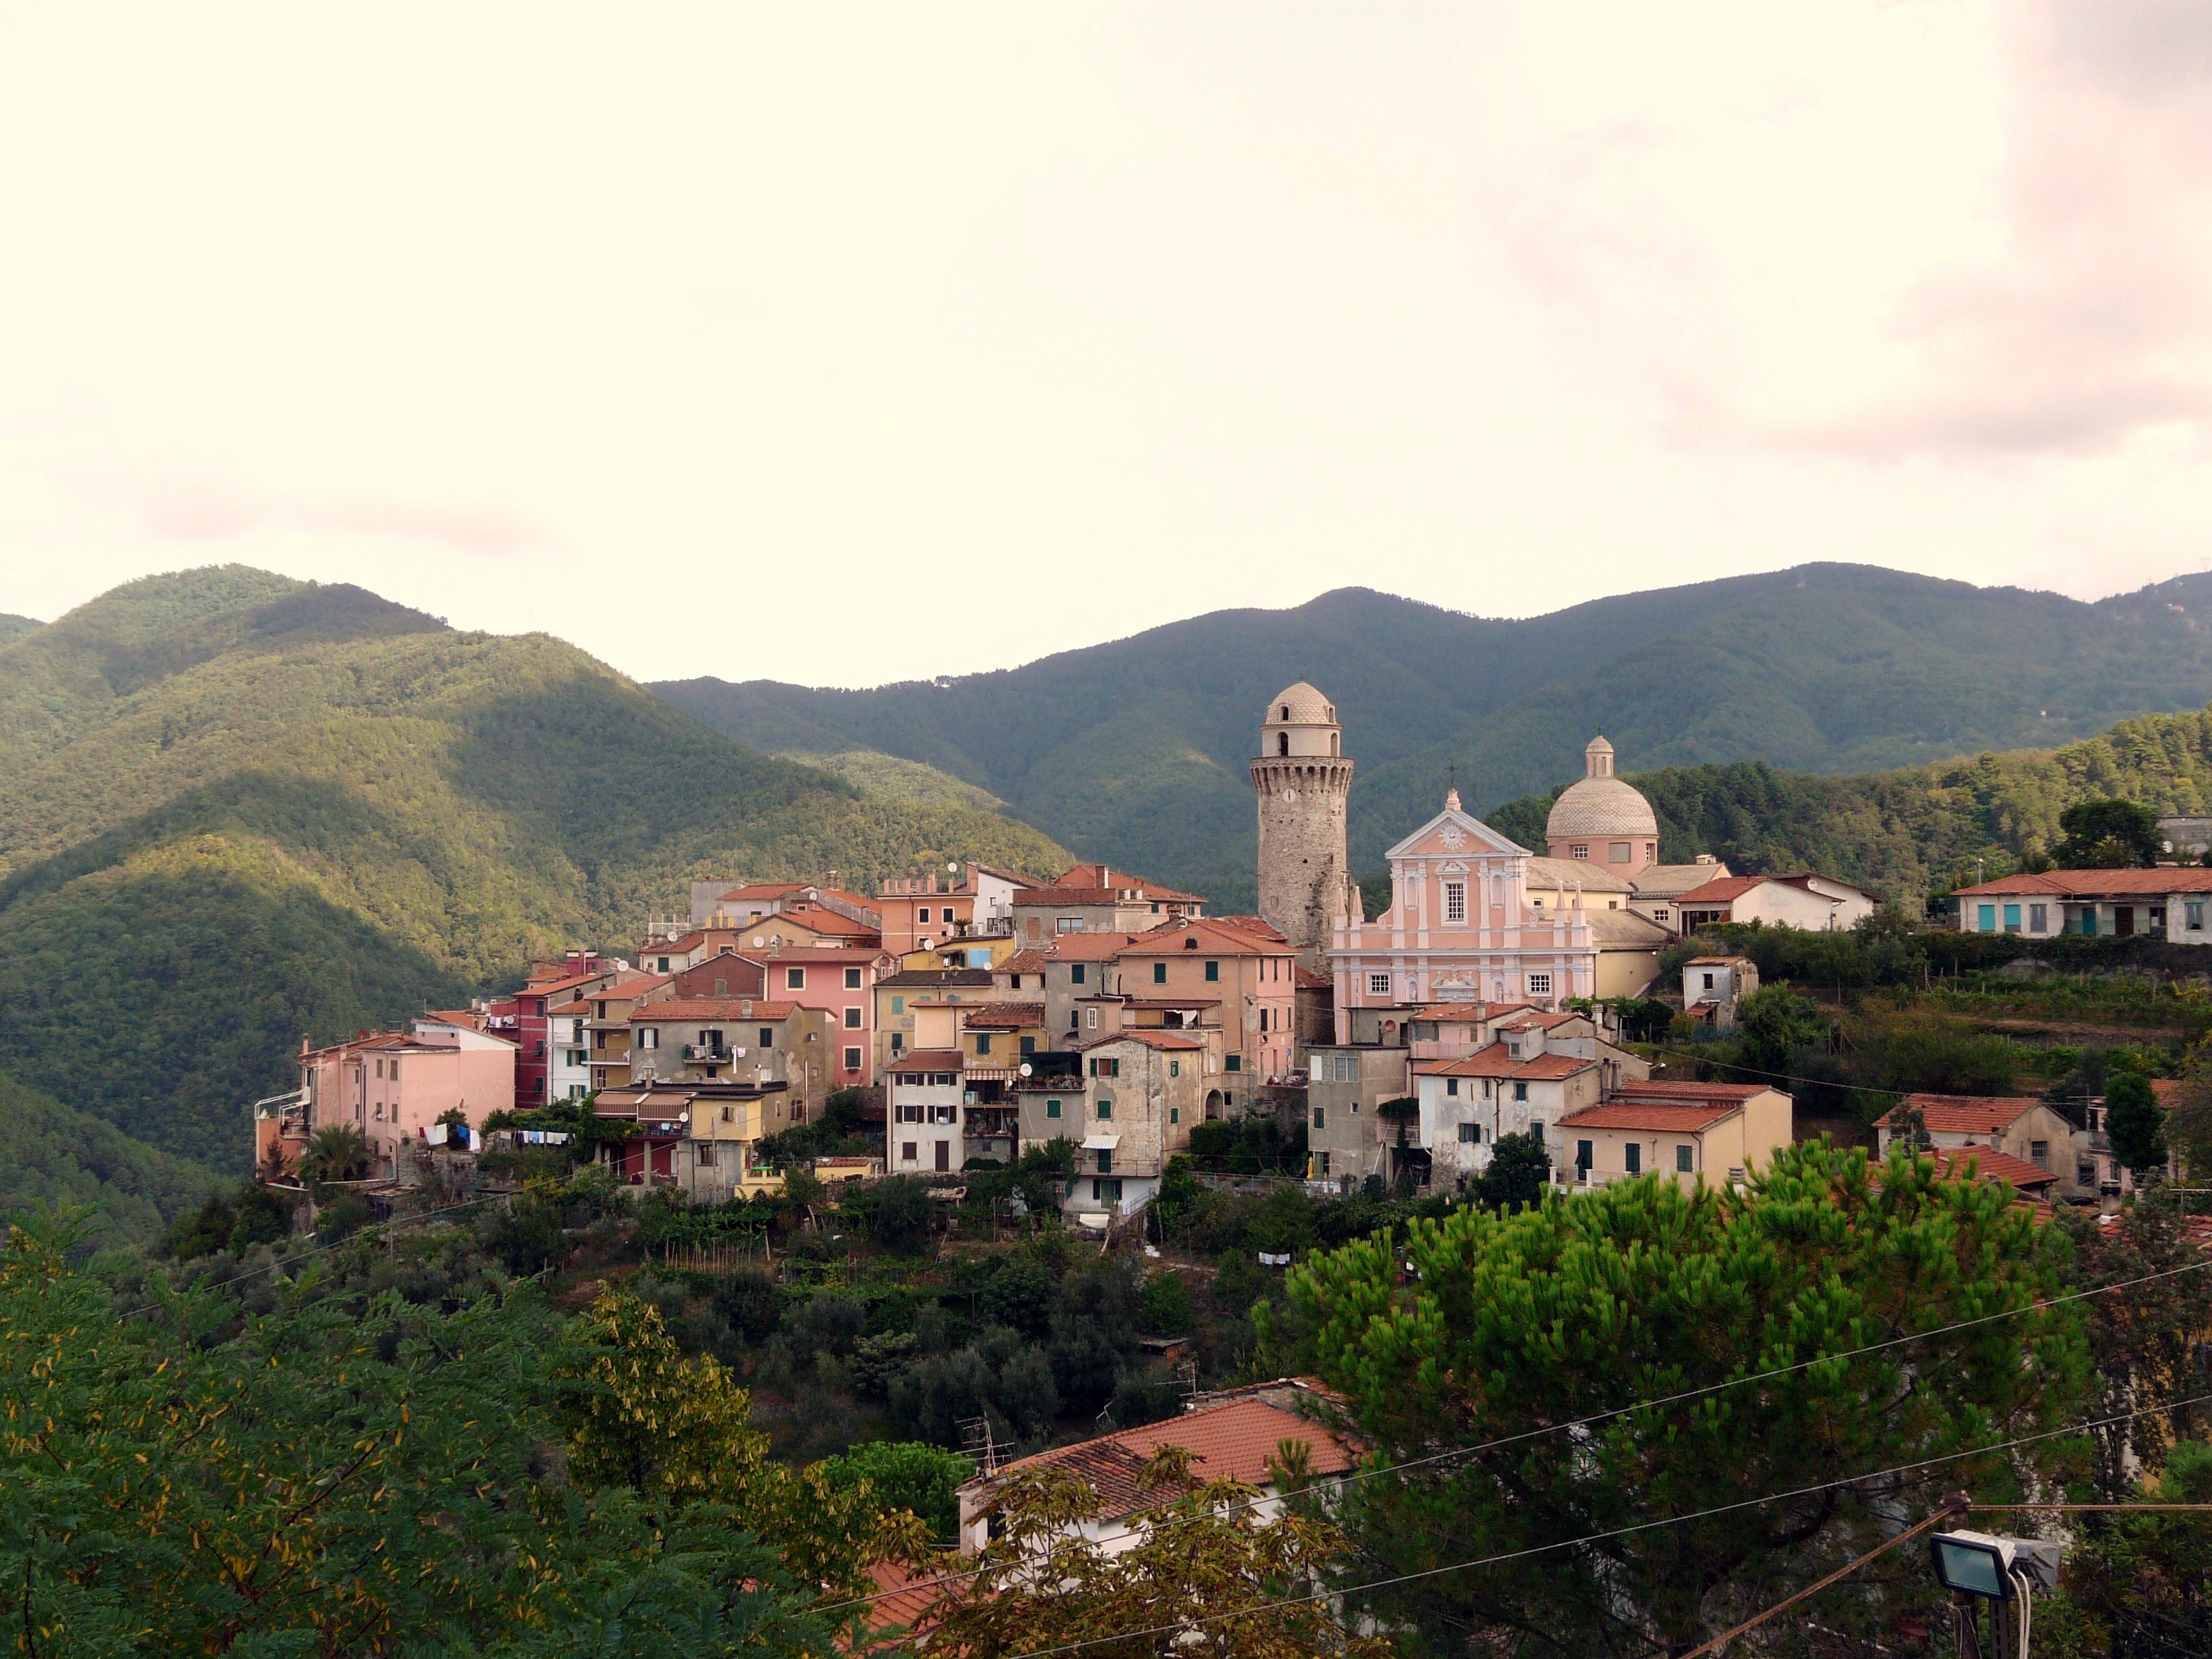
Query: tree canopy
x=1523 y=1343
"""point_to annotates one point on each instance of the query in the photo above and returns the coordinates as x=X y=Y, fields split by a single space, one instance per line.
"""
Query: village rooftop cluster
x=982 y=1012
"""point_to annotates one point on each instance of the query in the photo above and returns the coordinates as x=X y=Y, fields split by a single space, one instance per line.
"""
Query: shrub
x=1167 y=1305
x=907 y=1474
x=898 y=1213
x=1212 y=1139
x=1021 y=1296
x=751 y=1304
x=342 y=1217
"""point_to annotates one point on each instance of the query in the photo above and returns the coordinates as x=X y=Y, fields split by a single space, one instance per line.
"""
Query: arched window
x=1333 y=739
x=1282 y=743
x=1287 y=711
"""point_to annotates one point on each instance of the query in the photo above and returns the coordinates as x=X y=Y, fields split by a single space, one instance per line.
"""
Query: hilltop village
x=966 y=1019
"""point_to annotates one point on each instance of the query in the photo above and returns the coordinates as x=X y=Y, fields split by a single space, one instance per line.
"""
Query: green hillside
x=49 y=1155
x=1918 y=830
x=236 y=809
x=13 y=627
x=1136 y=750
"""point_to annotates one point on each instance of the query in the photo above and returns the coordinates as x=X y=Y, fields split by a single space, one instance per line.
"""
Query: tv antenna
x=982 y=1445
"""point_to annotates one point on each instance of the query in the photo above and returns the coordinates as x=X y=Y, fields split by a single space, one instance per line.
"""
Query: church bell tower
x=1304 y=781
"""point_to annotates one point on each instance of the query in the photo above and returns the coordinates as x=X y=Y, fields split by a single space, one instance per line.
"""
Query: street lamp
x=1983 y=1567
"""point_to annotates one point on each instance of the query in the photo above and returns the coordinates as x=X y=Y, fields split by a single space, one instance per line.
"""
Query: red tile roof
x=1495 y=1061
x=1307 y=980
x=765 y=890
x=1004 y=1016
x=683 y=945
x=1105 y=877
x=1962 y=1115
x=1661 y=1117
x=1467 y=1011
x=1721 y=891
x=1990 y=1164
x=731 y=1008
x=2067 y=883
x=1233 y=1441
x=1087 y=947
x=1220 y=938
x=1030 y=961
x=927 y=1060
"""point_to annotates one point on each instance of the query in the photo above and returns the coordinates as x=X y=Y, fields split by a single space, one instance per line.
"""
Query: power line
x=1617 y=1532
x=1623 y=1410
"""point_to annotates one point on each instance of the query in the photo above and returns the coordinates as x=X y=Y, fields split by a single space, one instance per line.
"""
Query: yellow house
x=1628 y=941
x=1691 y=1133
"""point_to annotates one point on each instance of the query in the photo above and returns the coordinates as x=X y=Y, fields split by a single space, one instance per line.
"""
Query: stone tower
x=1304 y=780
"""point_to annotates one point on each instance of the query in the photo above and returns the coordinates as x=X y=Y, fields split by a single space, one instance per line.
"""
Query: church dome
x=1300 y=705
x=1600 y=805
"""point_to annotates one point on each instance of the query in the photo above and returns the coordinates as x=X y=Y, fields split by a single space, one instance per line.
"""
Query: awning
x=1101 y=1143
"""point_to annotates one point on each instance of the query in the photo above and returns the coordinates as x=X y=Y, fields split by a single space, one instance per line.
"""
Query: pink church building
x=1460 y=928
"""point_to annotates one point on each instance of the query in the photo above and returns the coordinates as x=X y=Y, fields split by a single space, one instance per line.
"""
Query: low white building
x=569 y=1051
x=1805 y=900
x=2173 y=904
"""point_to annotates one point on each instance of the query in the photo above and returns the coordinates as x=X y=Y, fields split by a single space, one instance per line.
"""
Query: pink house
x=1460 y=928
x=394 y=1087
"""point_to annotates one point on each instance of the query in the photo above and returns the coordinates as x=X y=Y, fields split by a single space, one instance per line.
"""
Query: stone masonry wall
x=1302 y=860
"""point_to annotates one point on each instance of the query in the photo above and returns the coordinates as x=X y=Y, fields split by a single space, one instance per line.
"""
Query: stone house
x=733 y=1040
x=2022 y=1126
x=1139 y=1092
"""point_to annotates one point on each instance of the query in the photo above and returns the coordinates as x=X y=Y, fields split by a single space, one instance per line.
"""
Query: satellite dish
x=1025 y=1068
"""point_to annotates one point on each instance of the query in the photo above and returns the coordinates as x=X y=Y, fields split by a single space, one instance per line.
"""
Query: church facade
x=1460 y=927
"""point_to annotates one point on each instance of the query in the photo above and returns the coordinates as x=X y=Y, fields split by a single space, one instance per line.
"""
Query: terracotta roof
x=1458 y=1010
x=816 y=920
x=1152 y=1036
x=1721 y=891
x=1716 y=962
x=629 y=985
x=1963 y=1114
x=903 y=1596
x=930 y=978
x=1495 y=1061
x=1105 y=876
x=1670 y=1089
x=1004 y=1016
x=683 y=945
x=1258 y=929
x=711 y=1008
x=1232 y=1441
x=1087 y=947
x=1306 y=980
x=926 y=1059
x=1988 y=1164
x=1030 y=961
x=1662 y=1117
x=465 y=1017
x=765 y=890
x=1014 y=876
x=2167 y=1089
x=2066 y=884
x=1539 y=1020
x=1221 y=938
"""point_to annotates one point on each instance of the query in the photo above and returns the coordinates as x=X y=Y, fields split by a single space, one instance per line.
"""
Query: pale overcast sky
x=849 y=343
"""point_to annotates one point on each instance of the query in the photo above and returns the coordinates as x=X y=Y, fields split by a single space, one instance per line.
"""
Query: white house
x=1805 y=900
x=921 y=1105
x=2167 y=904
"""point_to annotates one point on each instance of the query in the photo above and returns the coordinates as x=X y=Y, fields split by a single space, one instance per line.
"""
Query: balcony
x=704 y=1053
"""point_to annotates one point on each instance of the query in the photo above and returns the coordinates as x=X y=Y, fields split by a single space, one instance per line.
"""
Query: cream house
x=1711 y=1132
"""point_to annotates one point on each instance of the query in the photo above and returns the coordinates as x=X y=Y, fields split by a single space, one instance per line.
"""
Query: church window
x=1287 y=711
x=1454 y=901
x=1539 y=985
x=1579 y=850
x=1617 y=853
x=1282 y=743
x=1379 y=985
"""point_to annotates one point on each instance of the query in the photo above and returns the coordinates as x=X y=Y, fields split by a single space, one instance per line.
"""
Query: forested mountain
x=235 y=809
x=1916 y=831
x=1136 y=750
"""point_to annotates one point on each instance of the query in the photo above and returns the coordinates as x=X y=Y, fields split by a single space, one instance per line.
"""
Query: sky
x=851 y=343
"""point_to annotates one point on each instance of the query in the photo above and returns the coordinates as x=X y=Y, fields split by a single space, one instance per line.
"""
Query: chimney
x=745 y=1009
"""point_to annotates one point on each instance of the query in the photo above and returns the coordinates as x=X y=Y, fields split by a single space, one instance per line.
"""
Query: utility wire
x=1617 y=1532
x=1622 y=1411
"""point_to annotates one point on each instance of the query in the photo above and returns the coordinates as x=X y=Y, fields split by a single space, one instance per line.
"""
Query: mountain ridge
x=251 y=809
x=1135 y=750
